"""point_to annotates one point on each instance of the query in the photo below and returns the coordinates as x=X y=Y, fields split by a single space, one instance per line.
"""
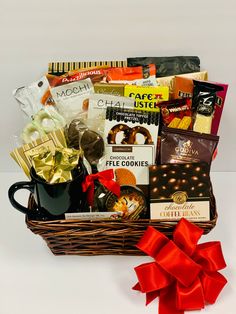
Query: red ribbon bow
x=105 y=178
x=185 y=274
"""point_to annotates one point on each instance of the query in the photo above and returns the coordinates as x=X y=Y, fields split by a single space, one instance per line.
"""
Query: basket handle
x=19 y=186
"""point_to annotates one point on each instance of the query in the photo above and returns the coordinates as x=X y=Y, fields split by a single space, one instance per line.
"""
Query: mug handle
x=19 y=186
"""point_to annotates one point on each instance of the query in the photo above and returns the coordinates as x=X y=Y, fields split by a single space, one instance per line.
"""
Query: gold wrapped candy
x=56 y=167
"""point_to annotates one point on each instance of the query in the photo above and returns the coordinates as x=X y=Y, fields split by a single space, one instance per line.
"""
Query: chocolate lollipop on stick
x=93 y=146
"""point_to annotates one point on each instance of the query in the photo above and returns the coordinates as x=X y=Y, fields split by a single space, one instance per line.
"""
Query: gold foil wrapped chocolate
x=56 y=167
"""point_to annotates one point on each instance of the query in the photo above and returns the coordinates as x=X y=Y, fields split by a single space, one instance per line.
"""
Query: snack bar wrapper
x=166 y=66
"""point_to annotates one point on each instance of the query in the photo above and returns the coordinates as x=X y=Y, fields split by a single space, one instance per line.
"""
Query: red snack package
x=177 y=113
x=141 y=75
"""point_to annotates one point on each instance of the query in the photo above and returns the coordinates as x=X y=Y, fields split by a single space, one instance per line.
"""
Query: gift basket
x=111 y=148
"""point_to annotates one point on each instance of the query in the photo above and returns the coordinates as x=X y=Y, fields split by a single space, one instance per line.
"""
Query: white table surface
x=34 y=281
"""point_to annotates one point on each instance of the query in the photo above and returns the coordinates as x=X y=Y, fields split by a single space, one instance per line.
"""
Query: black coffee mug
x=51 y=199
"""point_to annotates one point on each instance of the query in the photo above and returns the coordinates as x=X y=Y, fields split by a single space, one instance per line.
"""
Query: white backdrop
x=36 y=32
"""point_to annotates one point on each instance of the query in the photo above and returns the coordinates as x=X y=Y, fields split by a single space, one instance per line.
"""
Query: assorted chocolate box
x=140 y=134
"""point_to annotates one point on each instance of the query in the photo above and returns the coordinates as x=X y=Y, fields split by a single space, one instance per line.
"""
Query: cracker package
x=147 y=97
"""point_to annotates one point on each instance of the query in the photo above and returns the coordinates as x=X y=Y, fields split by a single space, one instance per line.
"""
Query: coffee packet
x=166 y=66
x=181 y=146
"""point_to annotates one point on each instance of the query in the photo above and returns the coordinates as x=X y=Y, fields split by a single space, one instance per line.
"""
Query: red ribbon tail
x=212 y=284
x=150 y=296
x=167 y=301
x=137 y=287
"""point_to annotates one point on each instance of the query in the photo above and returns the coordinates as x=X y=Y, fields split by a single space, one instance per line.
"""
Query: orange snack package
x=183 y=87
x=141 y=75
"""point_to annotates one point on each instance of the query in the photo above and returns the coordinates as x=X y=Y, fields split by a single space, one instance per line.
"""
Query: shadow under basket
x=76 y=237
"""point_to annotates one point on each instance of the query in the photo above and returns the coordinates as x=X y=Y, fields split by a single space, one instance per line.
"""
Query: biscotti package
x=22 y=155
x=147 y=97
x=166 y=66
x=59 y=68
x=180 y=191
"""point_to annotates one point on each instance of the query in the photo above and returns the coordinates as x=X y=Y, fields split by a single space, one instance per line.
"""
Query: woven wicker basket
x=75 y=237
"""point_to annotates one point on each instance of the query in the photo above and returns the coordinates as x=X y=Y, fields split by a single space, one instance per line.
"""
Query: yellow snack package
x=147 y=97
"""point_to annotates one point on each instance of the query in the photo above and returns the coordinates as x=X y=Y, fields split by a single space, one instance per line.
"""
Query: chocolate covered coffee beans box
x=180 y=191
